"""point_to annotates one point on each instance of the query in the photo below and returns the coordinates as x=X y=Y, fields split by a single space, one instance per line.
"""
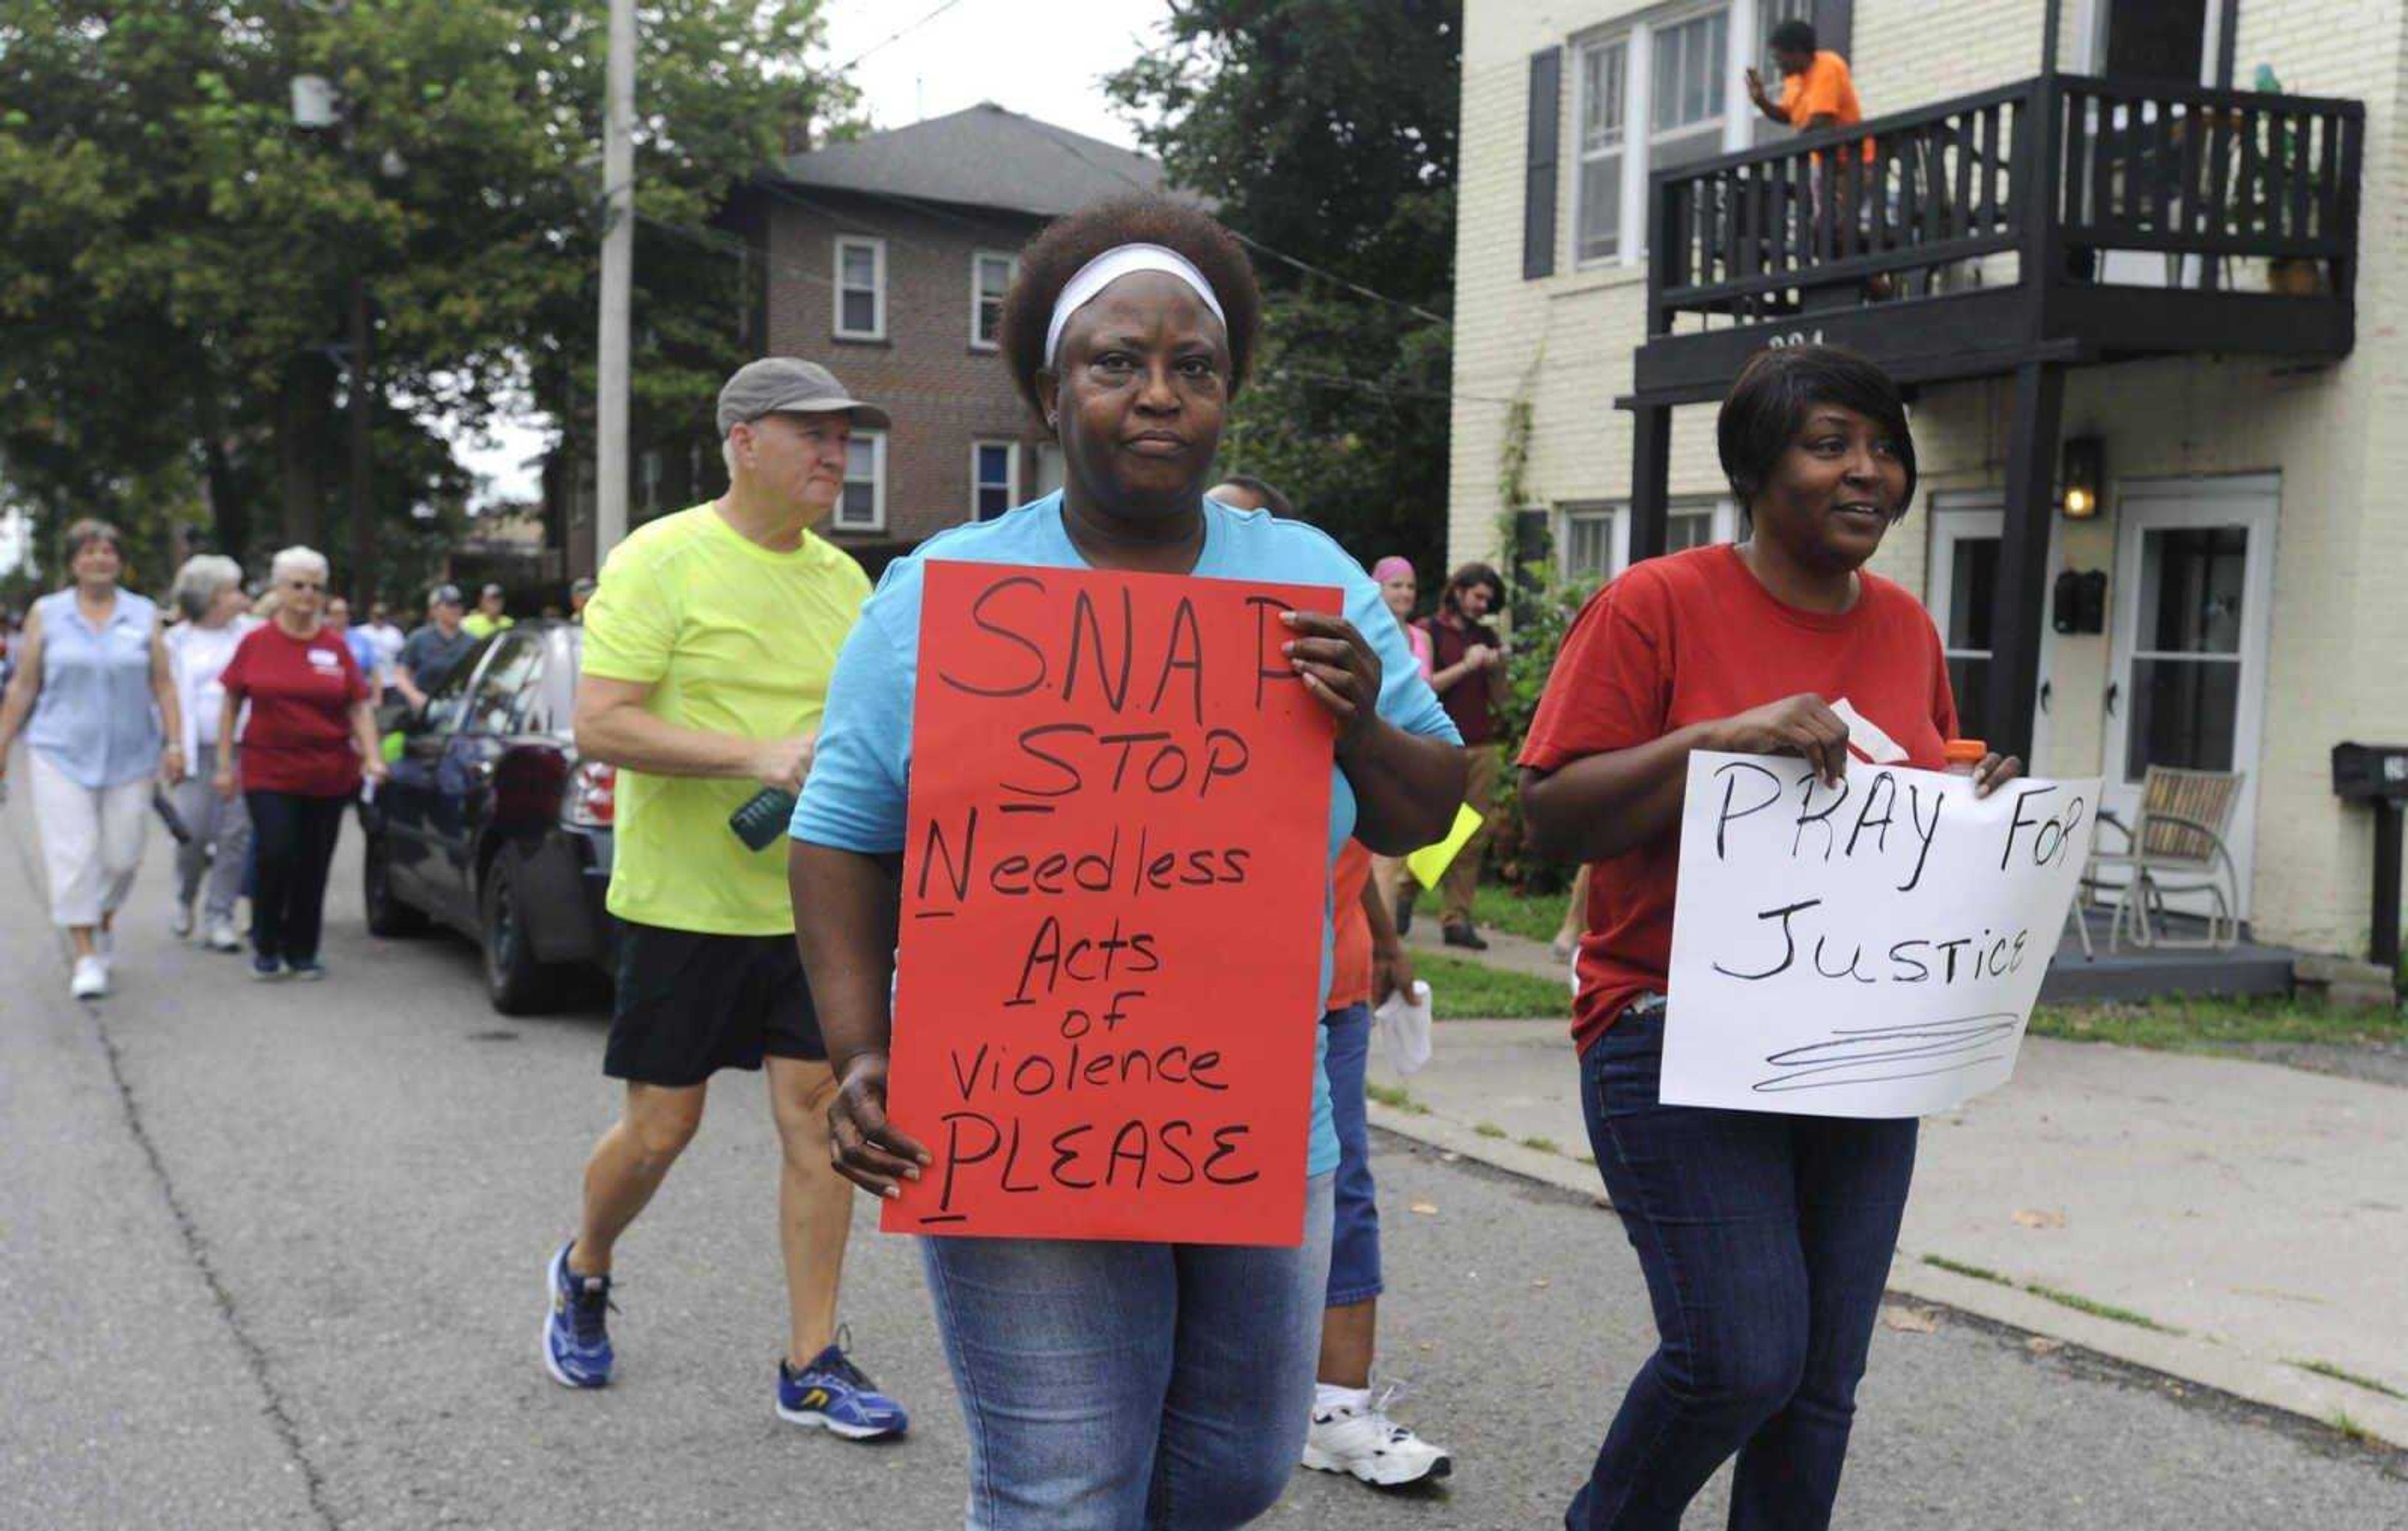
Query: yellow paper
x=1430 y=862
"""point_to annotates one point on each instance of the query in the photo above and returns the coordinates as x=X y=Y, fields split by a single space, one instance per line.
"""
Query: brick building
x=886 y=259
x=2199 y=226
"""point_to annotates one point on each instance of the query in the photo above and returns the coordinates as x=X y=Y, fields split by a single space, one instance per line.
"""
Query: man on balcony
x=1816 y=90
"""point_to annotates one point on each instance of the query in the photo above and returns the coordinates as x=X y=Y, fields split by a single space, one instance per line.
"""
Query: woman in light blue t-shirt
x=94 y=697
x=1111 y=1385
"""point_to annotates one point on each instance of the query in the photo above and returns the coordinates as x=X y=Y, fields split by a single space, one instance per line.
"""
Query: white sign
x=1871 y=950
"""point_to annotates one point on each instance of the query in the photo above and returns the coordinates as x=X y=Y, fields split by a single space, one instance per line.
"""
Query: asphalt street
x=270 y=1256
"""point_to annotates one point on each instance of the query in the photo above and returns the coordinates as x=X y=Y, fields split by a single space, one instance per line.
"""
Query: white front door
x=1961 y=593
x=2186 y=683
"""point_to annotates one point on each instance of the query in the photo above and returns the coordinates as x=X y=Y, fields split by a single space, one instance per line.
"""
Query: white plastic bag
x=1404 y=1025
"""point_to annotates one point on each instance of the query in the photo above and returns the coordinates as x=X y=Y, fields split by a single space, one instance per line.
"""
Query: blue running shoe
x=266 y=969
x=833 y=1393
x=576 y=1332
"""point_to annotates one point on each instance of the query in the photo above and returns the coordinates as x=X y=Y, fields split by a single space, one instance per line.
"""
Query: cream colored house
x=2119 y=255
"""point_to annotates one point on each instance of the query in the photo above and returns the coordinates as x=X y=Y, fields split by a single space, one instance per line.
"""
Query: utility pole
x=363 y=518
x=618 y=273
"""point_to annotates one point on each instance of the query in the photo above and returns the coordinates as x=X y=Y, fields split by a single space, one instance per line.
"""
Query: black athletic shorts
x=691 y=1004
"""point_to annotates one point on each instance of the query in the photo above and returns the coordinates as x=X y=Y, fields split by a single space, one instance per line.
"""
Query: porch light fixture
x=2086 y=475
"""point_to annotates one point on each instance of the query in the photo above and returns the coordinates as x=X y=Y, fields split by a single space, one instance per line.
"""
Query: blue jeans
x=1115 y=1385
x=1354 y=1230
x=1766 y=1241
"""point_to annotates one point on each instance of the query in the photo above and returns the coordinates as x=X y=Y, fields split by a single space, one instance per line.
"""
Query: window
x=1686 y=529
x=501 y=690
x=1654 y=97
x=1691 y=65
x=995 y=469
x=1591 y=542
x=864 y=505
x=448 y=703
x=1604 y=70
x=990 y=279
x=860 y=288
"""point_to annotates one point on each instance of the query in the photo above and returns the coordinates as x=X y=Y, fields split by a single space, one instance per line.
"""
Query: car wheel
x=515 y=982
x=387 y=915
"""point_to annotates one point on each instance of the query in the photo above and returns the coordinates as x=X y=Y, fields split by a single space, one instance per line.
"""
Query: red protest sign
x=1109 y=972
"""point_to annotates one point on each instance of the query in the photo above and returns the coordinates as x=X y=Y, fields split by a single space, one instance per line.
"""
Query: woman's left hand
x=1995 y=771
x=1337 y=667
x=373 y=768
x=171 y=765
x=1392 y=973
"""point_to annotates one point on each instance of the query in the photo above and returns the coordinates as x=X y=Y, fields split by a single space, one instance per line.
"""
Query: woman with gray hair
x=209 y=592
x=308 y=738
x=94 y=680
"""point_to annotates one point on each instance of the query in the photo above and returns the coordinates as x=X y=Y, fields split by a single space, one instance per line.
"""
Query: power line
x=896 y=36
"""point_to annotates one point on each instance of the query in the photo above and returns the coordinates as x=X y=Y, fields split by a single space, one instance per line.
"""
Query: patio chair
x=2176 y=850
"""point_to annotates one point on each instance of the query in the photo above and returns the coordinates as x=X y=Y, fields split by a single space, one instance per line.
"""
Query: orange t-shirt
x=1350 y=957
x=1826 y=88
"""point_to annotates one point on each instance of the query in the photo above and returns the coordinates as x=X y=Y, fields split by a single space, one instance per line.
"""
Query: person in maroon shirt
x=1766 y=1238
x=308 y=737
x=1467 y=672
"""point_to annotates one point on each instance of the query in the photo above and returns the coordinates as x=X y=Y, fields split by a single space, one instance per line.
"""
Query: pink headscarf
x=1390 y=567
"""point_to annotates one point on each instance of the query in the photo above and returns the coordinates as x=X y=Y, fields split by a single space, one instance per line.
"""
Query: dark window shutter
x=1539 y=187
x=1835 y=22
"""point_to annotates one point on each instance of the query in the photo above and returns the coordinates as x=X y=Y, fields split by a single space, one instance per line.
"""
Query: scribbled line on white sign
x=1850 y=1052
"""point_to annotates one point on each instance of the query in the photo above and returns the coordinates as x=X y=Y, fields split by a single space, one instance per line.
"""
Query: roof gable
x=981 y=157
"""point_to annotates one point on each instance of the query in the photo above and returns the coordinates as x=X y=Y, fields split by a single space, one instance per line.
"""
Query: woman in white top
x=209 y=592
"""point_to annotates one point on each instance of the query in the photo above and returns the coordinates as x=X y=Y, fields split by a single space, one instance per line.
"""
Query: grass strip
x=2342 y=1374
x=2216 y=1024
x=1979 y=1273
x=1463 y=990
x=2074 y=1300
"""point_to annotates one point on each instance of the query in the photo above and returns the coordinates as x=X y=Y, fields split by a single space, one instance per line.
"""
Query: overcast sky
x=1043 y=58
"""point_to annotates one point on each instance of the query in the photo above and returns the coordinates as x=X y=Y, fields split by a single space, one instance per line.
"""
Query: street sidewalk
x=2226 y=1222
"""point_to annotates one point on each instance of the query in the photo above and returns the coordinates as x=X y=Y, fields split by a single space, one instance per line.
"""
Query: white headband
x=1110 y=267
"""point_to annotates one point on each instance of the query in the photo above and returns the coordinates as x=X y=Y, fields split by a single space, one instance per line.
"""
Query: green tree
x=1324 y=132
x=177 y=258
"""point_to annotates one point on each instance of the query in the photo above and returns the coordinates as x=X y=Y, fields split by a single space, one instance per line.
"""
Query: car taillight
x=593 y=797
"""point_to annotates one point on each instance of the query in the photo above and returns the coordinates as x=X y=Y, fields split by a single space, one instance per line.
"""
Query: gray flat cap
x=789 y=385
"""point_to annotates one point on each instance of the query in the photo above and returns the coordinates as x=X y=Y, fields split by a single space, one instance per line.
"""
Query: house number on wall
x=1795 y=337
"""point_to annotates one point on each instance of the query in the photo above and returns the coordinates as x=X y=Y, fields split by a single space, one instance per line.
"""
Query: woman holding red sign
x=1111 y=1385
x=1764 y=1238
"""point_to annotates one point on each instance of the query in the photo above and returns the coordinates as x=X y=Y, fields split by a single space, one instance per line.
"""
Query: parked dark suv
x=490 y=823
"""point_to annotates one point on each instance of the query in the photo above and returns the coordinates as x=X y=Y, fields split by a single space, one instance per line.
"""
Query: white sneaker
x=91 y=978
x=223 y=937
x=179 y=925
x=1361 y=1440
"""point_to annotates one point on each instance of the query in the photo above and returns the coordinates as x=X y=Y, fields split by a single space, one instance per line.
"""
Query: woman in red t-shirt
x=1766 y=1238
x=308 y=737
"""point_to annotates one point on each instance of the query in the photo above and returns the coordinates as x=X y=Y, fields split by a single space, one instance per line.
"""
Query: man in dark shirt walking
x=1467 y=662
x=430 y=653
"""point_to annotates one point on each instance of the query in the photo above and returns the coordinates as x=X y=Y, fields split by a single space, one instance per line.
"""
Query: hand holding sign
x=865 y=1147
x=1339 y=668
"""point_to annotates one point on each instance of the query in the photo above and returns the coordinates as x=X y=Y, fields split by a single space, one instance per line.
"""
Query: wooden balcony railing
x=2056 y=171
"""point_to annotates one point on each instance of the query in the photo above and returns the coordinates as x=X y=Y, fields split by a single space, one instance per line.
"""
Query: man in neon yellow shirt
x=489 y=616
x=709 y=648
